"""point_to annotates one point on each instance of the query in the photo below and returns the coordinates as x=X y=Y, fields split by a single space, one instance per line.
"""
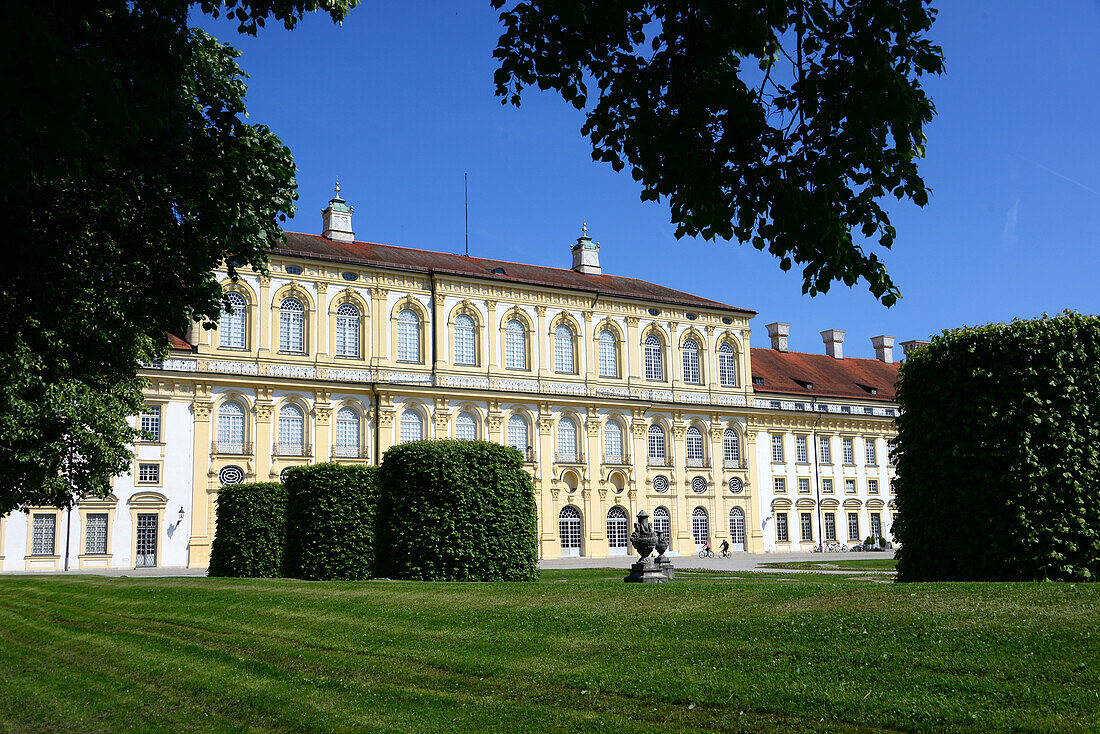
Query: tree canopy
x=777 y=122
x=129 y=174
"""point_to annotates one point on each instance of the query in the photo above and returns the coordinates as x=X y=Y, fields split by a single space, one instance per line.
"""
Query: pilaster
x=198 y=547
x=322 y=321
x=491 y=327
x=542 y=341
x=263 y=311
x=322 y=414
x=264 y=407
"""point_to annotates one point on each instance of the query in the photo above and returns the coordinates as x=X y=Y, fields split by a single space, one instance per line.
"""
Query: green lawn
x=834 y=564
x=578 y=651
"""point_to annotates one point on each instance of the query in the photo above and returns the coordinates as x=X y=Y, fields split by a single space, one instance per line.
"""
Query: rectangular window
x=780 y=485
x=807 y=526
x=777 y=449
x=872 y=486
x=892 y=452
x=830 y=526
x=800 y=452
x=849 y=452
x=826 y=486
x=42 y=535
x=803 y=485
x=148 y=473
x=853 y=526
x=872 y=456
x=876 y=524
x=95 y=534
x=150 y=422
x=782 y=534
x=826 y=454
x=850 y=486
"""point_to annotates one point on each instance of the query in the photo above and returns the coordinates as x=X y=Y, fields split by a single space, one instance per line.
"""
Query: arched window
x=464 y=340
x=231 y=428
x=347 y=433
x=727 y=366
x=737 y=529
x=662 y=523
x=292 y=428
x=654 y=360
x=700 y=527
x=408 y=336
x=412 y=426
x=616 y=531
x=517 y=434
x=656 y=445
x=465 y=427
x=569 y=530
x=515 y=345
x=694 y=446
x=609 y=359
x=347 y=331
x=232 y=327
x=691 y=362
x=731 y=445
x=567 y=440
x=563 y=350
x=292 y=326
x=613 y=443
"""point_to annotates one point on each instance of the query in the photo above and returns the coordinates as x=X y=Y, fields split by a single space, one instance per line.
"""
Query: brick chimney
x=884 y=348
x=779 y=331
x=834 y=342
x=912 y=344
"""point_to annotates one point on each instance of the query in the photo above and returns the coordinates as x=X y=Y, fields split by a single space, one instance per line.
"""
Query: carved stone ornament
x=322 y=287
x=202 y=409
x=263 y=411
x=322 y=415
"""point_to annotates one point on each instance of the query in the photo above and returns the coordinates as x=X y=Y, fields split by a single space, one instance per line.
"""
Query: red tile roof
x=819 y=375
x=315 y=247
x=178 y=342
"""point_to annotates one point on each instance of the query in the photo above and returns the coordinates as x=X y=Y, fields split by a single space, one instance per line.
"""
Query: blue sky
x=399 y=103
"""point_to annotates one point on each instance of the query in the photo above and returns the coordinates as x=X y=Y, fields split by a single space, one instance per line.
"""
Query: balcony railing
x=293 y=449
x=350 y=452
x=616 y=459
x=659 y=461
x=231 y=447
x=569 y=457
x=731 y=464
x=697 y=463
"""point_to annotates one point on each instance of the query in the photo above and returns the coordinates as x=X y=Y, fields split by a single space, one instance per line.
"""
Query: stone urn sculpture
x=644 y=540
x=664 y=542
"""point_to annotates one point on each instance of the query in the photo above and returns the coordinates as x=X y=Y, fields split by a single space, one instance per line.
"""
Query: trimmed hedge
x=456 y=511
x=998 y=470
x=330 y=521
x=250 y=533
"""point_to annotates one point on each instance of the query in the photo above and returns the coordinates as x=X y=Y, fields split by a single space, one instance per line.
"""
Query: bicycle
x=706 y=553
x=725 y=554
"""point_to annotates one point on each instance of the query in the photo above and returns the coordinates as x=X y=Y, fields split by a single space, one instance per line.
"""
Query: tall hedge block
x=998 y=469
x=456 y=511
x=330 y=521
x=250 y=532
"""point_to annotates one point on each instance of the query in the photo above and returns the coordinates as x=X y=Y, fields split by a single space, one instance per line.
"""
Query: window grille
x=777 y=449
x=465 y=427
x=291 y=431
x=660 y=484
x=662 y=522
x=517 y=433
x=849 y=452
x=146 y=541
x=150 y=422
x=801 y=453
x=737 y=526
x=609 y=363
x=563 y=350
x=515 y=345
x=830 y=526
x=231 y=428
x=231 y=326
x=826 y=454
x=727 y=366
x=700 y=527
x=853 y=526
x=694 y=446
x=656 y=442
x=613 y=442
x=872 y=455
x=567 y=440
x=807 y=526
x=803 y=485
x=412 y=426
x=779 y=484
x=464 y=340
x=782 y=534
x=826 y=486
x=616 y=529
x=95 y=534
x=292 y=326
x=876 y=524
x=43 y=532
x=850 y=486
x=691 y=362
x=698 y=485
x=347 y=433
x=148 y=473
x=347 y=331
x=408 y=336
x=731 y=447
x=654 y=360
x=872 y=486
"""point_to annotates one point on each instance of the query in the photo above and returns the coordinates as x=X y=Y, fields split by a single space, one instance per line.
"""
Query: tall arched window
x=737 y=529
x=347 y=330
x=694 y=446
x=231 y=428
x=292 y=326
x=731 y=445
x=654 y=359
x=412 y=426
x=727 y=366
x=609 y=358
x=408 y=336
x=569 y=530
x=662 y=522
x=292 y=431
x=563 y=350
x=465 y=340
x=616 y=531
x=657 y=445
x=567 y=440
x=517 y=434
x=691 y=362
x=465 y=427
x=347 y=433
x=613 y=443
x=233 y=327
x=700 y=527
x=515 y=345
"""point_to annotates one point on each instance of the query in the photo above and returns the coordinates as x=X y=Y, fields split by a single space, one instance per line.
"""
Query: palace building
x=622 y=395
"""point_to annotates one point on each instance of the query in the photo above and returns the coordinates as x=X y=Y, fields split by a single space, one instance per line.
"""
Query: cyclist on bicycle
x=725 y=545
x=707 y=547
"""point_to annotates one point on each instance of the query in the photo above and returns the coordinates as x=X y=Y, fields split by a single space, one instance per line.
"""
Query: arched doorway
x=569 y=530
x=662 y=522
x=617 y=531
x=700 y=527
x=737 y=529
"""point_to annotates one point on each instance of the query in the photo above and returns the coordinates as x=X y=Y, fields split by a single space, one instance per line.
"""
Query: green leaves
x=251 y=531
x=795 y=158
